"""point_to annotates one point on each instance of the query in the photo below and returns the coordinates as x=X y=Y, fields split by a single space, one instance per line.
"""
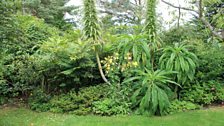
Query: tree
x=200 y=13
x=126 y=12
x=92 y=31
x=8 y=28
x=52 y=11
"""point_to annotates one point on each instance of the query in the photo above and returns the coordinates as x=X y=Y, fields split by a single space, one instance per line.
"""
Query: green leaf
x=131 y=79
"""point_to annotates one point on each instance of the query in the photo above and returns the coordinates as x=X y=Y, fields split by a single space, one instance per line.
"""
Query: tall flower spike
x=91 y=23
x=92 y=31
x=150 y=28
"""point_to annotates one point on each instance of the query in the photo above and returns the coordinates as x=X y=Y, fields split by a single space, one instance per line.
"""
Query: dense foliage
x=151 y=94
x=53 y=67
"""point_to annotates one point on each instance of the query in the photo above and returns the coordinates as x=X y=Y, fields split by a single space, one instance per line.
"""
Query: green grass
x=25 y=117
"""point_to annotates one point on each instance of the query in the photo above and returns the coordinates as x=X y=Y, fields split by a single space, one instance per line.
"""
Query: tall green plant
x=136 y=46
x=92 y=30
x=150 y=28
x=152 y=91
x=179 y=59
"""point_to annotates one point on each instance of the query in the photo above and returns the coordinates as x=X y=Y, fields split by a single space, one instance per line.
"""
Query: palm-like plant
x=151 y=94
x=179 y=59
x=137 y=47
x=92 y=30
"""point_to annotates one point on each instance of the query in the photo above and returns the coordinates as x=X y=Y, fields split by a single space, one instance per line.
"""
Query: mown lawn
x=25 y=117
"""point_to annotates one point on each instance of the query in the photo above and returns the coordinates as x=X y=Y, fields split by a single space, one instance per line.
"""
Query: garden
x=125 y=68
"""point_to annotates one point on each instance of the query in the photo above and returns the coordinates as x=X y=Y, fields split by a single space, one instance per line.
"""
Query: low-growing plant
x=79 y=103
x=38 y=100
x=108 y=107
x=203 y=93
x=2 y=100
x=181 y=106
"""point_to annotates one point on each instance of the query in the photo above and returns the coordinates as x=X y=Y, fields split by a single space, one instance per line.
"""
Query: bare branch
x=199 y=16
x=211 y=28
x=108 y=12
x=183 y=8
x=179 y=16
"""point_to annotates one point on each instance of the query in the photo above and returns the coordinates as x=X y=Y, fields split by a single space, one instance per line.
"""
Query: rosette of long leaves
x=136 y=46
x=151 y=94
x=179 y=59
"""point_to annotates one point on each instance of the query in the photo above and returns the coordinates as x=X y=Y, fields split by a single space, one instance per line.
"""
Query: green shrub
x=19 y=73
x=65 y=62
x=203 y=93
x=211 y=63
x=108 y=107
x=2 y=100
x=181 y=106
x=117 y=101
x=79 y=103
x=38 y=101
x=65 y=103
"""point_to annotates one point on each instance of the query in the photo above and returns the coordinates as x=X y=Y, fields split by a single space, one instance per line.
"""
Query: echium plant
x=92 y=30
x=181 y=60
x=150 y=28
x=136 y=46
x=151 y=94
x=116 y=70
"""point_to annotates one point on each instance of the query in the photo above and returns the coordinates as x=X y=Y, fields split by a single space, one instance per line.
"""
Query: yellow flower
x=110 y=60
x=135 y=64
x=123 y=67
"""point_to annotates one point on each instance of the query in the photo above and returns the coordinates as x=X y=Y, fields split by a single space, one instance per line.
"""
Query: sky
x=162 y=8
